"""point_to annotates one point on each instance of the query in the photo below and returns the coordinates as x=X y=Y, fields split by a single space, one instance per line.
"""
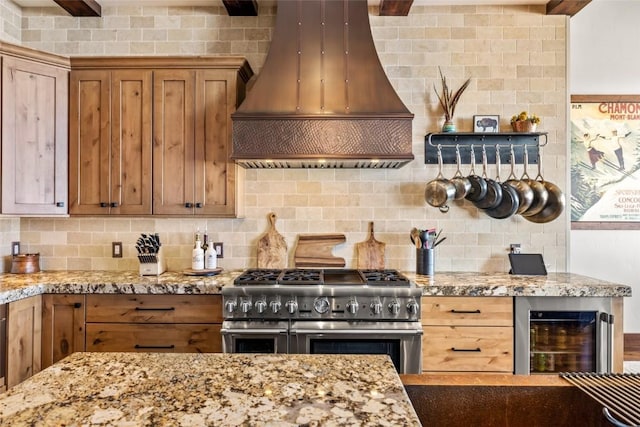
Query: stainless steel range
x=329 y=311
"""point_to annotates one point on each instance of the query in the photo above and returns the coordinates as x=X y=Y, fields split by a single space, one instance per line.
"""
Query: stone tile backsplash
x=515 y=55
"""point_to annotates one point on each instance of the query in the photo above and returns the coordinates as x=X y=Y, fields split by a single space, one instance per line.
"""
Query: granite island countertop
x=165 y=389
x=17 y=286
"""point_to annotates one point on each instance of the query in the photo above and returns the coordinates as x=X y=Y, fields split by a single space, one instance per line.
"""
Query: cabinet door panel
x=34 y=136
x=89 y=142
x=63 y=327
x=183 y=338
x=173 y=142
x=131 y=142
x=215 y=172
x=24 y=338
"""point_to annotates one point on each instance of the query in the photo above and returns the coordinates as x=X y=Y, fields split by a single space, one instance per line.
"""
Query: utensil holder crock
x=425 y=261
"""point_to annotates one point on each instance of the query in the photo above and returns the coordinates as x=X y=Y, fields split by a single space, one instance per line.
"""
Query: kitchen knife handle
x=155 y=309
x=155 y=346
x=467 y=349
x=453 y=310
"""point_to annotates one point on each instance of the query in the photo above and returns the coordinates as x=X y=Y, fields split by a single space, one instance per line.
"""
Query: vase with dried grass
x=448 y=101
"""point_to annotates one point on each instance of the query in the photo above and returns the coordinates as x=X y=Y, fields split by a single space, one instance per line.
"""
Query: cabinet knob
x=104 y=205
x=188 y=205
x=114 y=204
x=77 y=304
x=198 y=205
x=60 y=204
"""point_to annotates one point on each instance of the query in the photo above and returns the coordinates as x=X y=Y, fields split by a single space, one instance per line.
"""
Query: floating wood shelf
x=465 y=141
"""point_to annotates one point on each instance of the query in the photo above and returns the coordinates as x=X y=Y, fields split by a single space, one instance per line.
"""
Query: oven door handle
x=357 y=331
x=253 y=331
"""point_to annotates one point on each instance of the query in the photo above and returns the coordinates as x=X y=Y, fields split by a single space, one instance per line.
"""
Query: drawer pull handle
x=453 y=310
x=155 y=309
x=155 y=346
x=466 y=349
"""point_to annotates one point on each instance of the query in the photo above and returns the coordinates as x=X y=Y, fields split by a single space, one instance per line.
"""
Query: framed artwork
x=486 y=124
x=605 y=161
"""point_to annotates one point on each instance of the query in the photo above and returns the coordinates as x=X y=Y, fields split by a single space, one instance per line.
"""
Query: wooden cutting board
x=370 y=252
x=272 y=248
x=315 y=250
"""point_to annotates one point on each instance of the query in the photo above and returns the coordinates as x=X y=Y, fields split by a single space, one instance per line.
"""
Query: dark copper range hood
x=322 y=99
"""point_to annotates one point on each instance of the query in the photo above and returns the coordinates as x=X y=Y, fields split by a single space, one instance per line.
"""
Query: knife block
x=153 y=268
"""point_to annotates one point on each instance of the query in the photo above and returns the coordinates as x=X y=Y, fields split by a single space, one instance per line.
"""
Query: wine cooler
x=563 y=334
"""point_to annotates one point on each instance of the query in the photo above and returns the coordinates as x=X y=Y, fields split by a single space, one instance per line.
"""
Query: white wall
x=604 y=60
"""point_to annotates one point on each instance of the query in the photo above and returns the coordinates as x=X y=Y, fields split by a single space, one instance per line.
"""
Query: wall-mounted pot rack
x=465 y=140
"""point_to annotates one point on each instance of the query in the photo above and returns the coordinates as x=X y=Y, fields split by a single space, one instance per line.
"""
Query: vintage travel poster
x=605 y=158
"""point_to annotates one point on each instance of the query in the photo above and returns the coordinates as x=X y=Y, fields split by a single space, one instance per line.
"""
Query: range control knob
x=352 y=306
x=245 y=306
x=261 y=306
x=230 y=306
x=394 y=307
x=412 y=307
x=292 y=306
x=275 y=306
x=376 y=307
x=321 y=305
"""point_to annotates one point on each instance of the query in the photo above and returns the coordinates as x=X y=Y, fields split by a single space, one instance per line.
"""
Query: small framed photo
x=486 y=124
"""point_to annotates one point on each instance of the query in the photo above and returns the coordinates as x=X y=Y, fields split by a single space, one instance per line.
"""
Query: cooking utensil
x=462 y=183
x=554 y=205
x=478 y=184
x=415 y=238
x=509 y=200
x=272 y=248
x=439 y=191
x=525 y=193
x=540 y=193
x=370 y=252
x=494 y=192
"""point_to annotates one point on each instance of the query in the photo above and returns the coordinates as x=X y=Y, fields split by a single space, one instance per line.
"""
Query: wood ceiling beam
x=395 y=7
x=81 y=7
x=566 y=7
x=241 y=7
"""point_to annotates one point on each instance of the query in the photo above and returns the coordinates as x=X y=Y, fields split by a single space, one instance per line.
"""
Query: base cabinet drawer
x=467 y=311
x=467 y=349
x=154 y=308
x=169 y=338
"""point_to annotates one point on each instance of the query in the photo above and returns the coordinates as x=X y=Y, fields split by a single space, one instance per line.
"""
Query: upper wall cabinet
x=110 y=142
x=34 y=131
x=163 y=146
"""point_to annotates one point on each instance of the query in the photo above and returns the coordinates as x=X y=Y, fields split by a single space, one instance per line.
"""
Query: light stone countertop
x=165 y=389
x=17 y=286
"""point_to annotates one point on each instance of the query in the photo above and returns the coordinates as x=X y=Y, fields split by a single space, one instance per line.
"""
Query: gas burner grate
x=259 y=276
x=385 y=278
x=301 y=276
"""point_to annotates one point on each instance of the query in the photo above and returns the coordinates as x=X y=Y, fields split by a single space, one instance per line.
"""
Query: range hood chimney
x=322 y=99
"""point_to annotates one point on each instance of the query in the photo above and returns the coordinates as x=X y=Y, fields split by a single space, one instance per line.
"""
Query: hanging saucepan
x=525 y=193
x=439 y=191
x=555 y=201
x=494 y=191
x=540 y=193
x=478 y=184
x=509 y=202
x=462 y=183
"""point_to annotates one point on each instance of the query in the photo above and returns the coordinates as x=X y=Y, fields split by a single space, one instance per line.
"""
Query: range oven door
x=254 y=336
x=402 y=341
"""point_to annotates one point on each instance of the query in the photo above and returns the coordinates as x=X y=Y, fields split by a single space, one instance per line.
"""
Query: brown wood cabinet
x=3 y=347
x=24 y=339
x=467 y=334
x=34 y=131
x=110 y=142
x=63 y=326
x=159 y=323
x=164 y=146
